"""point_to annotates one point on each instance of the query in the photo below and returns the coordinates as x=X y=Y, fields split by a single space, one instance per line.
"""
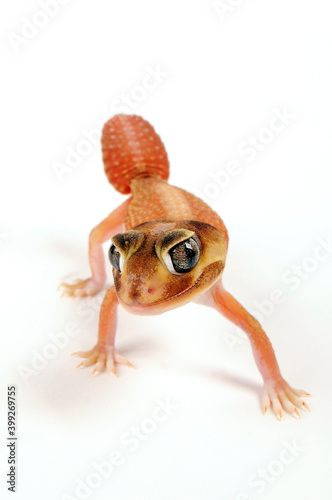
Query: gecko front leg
x=104 y=354
x=277 y=392
x=101 y=233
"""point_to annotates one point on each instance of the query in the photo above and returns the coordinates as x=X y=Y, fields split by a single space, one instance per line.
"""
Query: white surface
x=224 y=79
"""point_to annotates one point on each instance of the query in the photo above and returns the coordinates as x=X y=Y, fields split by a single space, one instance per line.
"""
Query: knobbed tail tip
x=131 y=147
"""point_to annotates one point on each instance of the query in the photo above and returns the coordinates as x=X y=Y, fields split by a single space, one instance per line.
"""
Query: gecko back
x=136 y=162
x=131 y=147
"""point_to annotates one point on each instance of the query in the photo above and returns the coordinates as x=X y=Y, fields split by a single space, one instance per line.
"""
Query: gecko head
x=161 y=265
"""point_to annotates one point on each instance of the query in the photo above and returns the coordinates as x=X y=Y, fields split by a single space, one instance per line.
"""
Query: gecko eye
x=182 y=257
x=115 y=258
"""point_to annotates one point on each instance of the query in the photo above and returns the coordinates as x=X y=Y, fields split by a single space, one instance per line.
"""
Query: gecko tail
x=131 y=147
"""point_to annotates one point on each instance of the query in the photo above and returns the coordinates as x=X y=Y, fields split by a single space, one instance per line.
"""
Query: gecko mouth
x=204 y=281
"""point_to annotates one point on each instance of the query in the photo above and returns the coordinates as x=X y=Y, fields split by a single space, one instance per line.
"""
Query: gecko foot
x=80 y=288
x=281 y=396
x=103 y=357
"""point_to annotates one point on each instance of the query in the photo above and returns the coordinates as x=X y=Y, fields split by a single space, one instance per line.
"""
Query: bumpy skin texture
x=130 y=147
x=172 y=251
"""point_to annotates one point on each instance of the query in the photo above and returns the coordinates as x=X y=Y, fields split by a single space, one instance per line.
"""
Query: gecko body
x=168 y=248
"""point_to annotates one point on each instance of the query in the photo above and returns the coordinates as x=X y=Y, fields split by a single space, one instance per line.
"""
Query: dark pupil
x=114 y=256
x=184 y=256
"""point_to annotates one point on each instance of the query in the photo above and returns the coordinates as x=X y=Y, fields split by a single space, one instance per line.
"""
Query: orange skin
x=158 y=218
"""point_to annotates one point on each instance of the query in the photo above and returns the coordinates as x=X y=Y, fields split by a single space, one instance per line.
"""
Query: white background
x=223 y=77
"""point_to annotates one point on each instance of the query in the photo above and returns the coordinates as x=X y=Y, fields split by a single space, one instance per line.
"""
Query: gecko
x=168 y=248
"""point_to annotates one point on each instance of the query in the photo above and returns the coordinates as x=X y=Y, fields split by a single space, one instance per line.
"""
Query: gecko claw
x=304 y=405
x=103 y=357
x=281 y=396
x=80 y=288
x=95 y=372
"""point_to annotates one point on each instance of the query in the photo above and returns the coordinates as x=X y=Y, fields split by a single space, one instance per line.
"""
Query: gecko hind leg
x=80 y=288
x=99 y=235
